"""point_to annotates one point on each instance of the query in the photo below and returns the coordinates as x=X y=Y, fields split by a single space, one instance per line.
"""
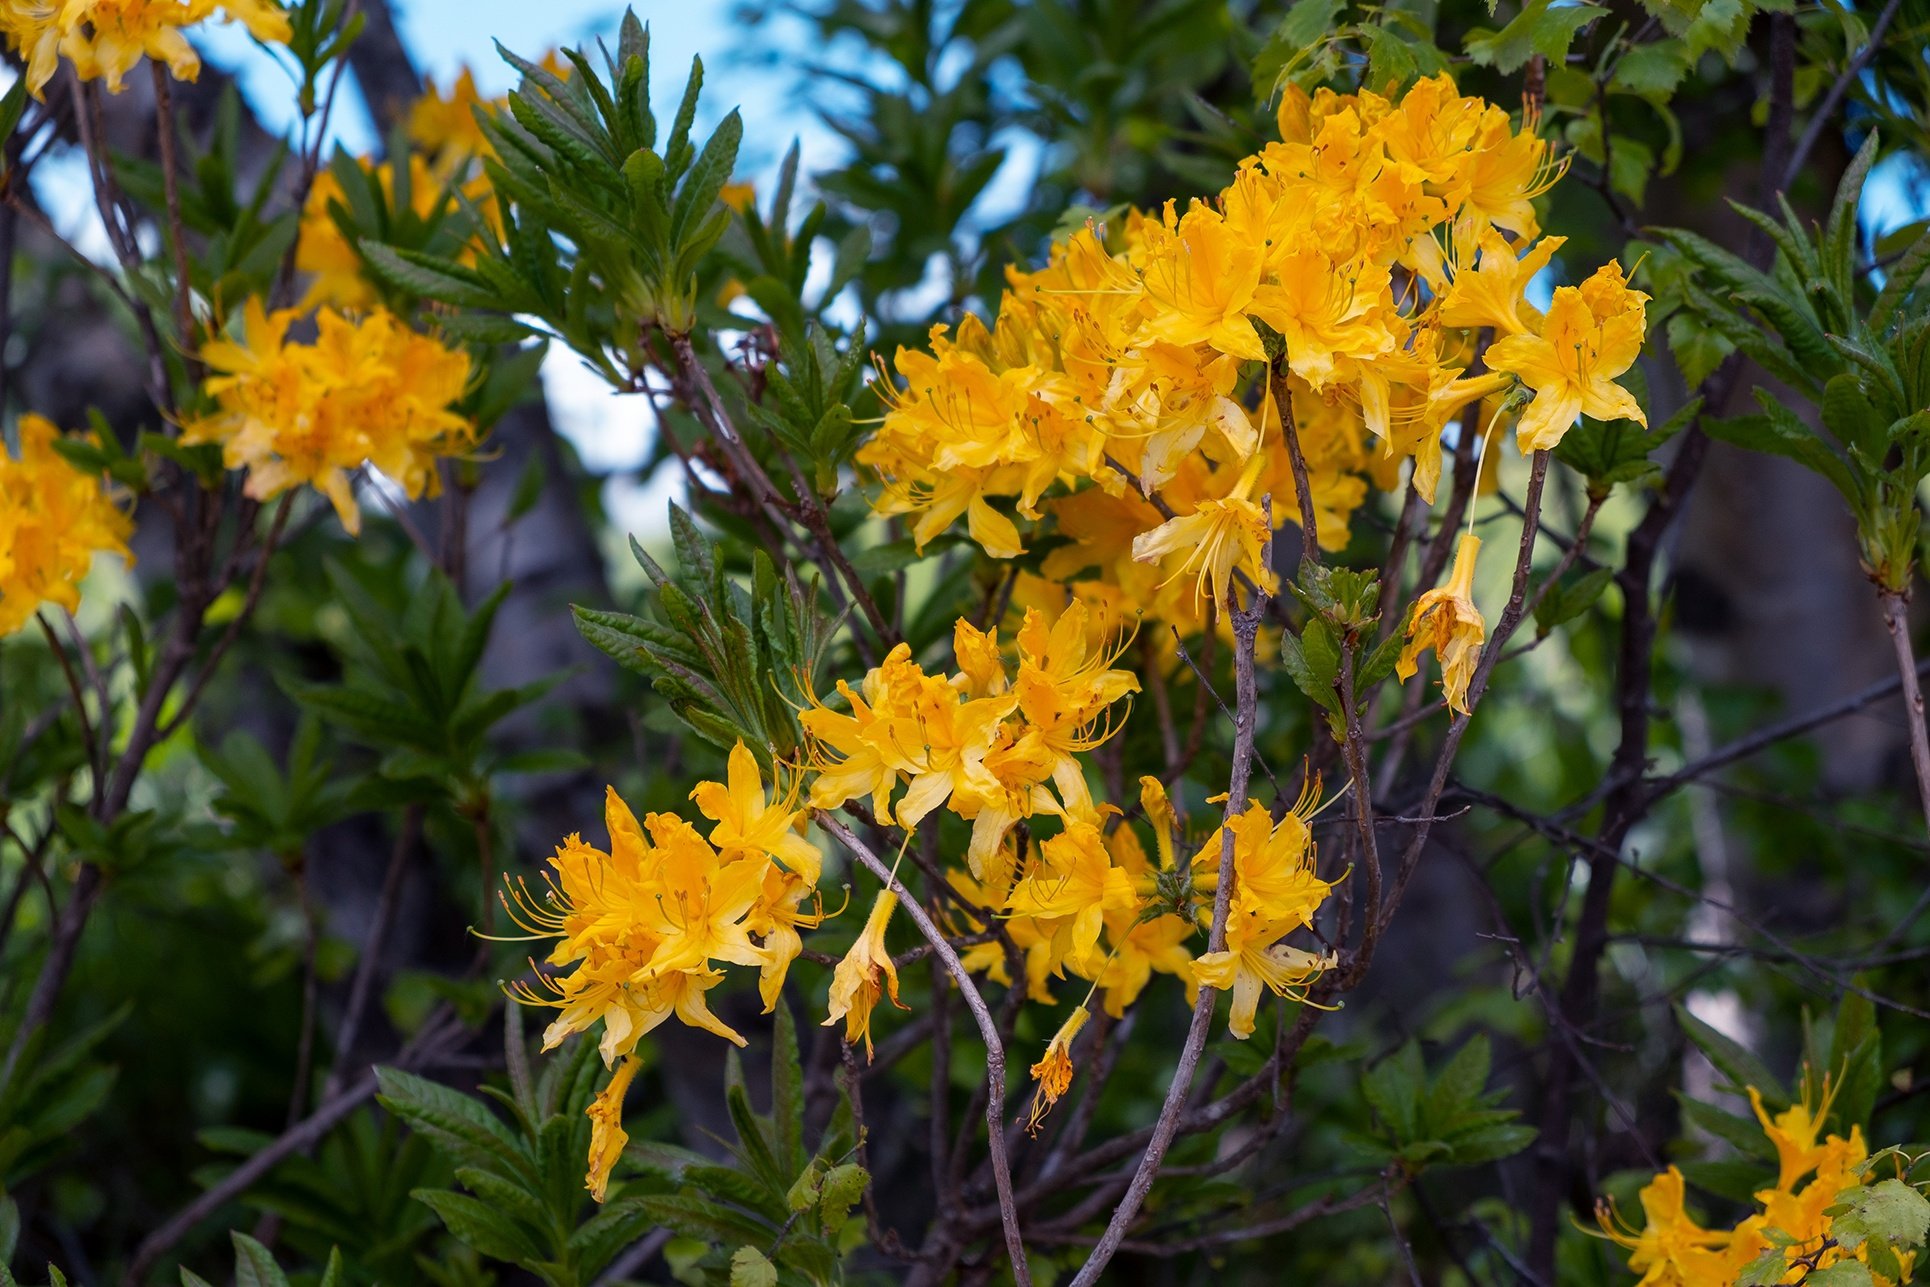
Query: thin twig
x=1896 y=619
x=1819 y=121
x=994 y=1050
x=363 y=985
x=305 y=1135
x=1246 y=629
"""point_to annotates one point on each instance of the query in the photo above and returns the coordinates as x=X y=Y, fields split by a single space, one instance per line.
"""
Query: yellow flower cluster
x=1275 y=892
x=990 y=744
x=367 y=390
x=1673 y=1250
x=53 y=520
x=104 y=39
x=644 y=928
x=1343 y=279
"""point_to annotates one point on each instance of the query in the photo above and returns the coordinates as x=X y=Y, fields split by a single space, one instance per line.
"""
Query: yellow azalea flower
x=366 y=391
x=1213 y=540
x=865 y=974
x=1446 y=620
x=1273 y=863
x=1506 y=171
x=639 y=928
x=863 y=753
x=1138 y=949
x=701 y=904
x=1377 y=238
x=775 y=919
x=1053 y=1072
x=53 y=520
x=1491 y=292
x=749 y=824
x=1671 y=1250
x=1203 y=275
x=105 y=39
x=443 y=126
x=1592 y=334
x=607 y=1136
x=1158 y=808
x=1068 y=889
x=1794 y=1131
x=1327 y=311
x=1253 y=960
x=981 y=671
x=1063 y=688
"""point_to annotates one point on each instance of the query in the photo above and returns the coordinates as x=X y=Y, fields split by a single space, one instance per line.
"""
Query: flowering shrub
x=1024 y=697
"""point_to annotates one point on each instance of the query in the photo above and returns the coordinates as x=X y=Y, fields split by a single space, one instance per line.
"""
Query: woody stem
x=994 y=1049
x=1896 y=618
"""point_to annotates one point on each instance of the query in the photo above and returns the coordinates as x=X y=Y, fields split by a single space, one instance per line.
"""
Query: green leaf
x=455 y=1123
x=1698 y=348
x=843 y=1186
x=1844 y=1273
x=1743 y=1134
x=1888 y=1212
x=1542 y=27
x=1570 y=599
x=428 y=276
x=1304 y=28
x=479 y=1225
x=1652 y=70
x=1730 y=1059
x=1778 y=432
x=1393 y=1088
x=255 y=1265
x=787 y=1090
x=750 y=1268
x=1459 y=1083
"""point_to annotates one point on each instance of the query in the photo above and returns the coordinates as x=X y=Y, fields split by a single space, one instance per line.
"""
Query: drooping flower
x=607 y=1136
x=53 y=520
x=864 y=975
x=1446 y=620
x=1053 y=1072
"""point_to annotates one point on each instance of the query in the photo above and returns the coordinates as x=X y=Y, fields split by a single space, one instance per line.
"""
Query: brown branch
x=1309 y=521
x=1896 y=619
x=710 y=408
x=171 y=186
x=1246 y=629
x=363 y=985
x=994 y=1050
x=299 y=1138
x=257 y=581
x=1834 y=98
